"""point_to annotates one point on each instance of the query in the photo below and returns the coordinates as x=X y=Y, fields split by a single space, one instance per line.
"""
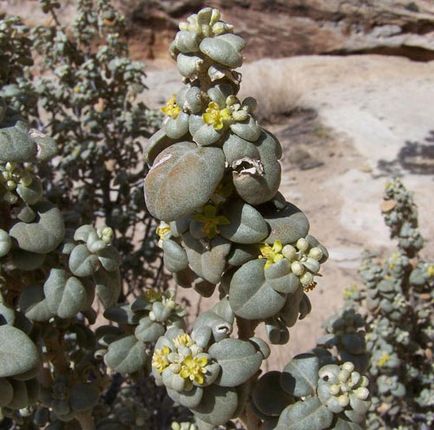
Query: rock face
x=278 y=28
x=281 y=28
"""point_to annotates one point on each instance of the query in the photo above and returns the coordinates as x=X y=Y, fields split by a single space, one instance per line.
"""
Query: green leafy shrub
x=84 y=92
x=396 y=302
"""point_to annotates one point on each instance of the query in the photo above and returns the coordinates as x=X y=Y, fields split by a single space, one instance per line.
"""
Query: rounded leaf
x=82 y=263
x=208 y=262
x=218 y=405
x=44 y=235
x=126 y=355
x=182 y=179
x=18 y=354
x=246 y=225
x=175 y=257
x=5 y=243
x=251 y=296
x=308 y=414
x=300 y=376
x=239 y=361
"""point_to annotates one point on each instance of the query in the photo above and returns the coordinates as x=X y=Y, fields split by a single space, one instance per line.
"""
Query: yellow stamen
x=193 y=368
x=383 y=360
x=171 y=109
x=218 y=118
x=211 y=221
x=160 y=360
x=273 y=254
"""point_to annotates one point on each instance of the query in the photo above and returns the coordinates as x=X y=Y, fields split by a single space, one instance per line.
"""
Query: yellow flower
x=193 y=368
x=218 y=118
x=383 y=360
x=160 y=360
x=210 y=221
x=273 y=254
x=152 y=295
x=163 y=230
x=183 y=340
x=171 y=109
x=430 y=270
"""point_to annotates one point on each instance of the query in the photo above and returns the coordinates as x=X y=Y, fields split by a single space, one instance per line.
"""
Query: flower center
x=171 y=109
x=218 y=118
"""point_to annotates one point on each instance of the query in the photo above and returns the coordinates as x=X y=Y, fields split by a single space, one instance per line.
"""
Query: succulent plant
x=396 y=302
x=213 y=183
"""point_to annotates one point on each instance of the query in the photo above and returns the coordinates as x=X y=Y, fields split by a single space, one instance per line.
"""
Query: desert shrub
x=396 y=301
x=83 y=90
x=76 y=350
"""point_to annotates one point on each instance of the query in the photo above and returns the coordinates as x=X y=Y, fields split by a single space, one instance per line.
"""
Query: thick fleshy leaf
x=241 y=254
x=188 y=399
x=176 y=128
x=248 y=129
x=308 y=414
x=218 y=405
x=287 y=224
x=251 y=296
x=108 y=286
x=175 y=257
x=246 y=224
x=207 y=262
x=156 y=143
x=122 y=314
x=32 y=193
x=5 y=243
x=126 y=355
x=18 y=354
x=109 y=258
x=259 y=187
x=66 y=296
x=188 y=65
x=346 y=425
x=182 y=179
x=222 y=51
x=44 y=235
x=82 y=263
x=239 y=360
x=187 y=42
x=16 y=144
x=300 y=376
x=268 y=397
x=149 y=331
x=236 y=148
x=206 y=135
x=33 y=303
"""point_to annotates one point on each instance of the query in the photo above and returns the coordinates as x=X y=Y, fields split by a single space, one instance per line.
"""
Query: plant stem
x=86 y=420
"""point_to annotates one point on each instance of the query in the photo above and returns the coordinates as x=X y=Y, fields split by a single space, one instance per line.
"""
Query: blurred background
x=348 y=88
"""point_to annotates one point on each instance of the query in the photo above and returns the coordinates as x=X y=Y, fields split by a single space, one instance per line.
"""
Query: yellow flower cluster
x=185 y=359
x=171 y=109
x=383 y=360
x=218 y=118
x=193 y=368
x=210 y=220
x=273 y=254
x=160 y=358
